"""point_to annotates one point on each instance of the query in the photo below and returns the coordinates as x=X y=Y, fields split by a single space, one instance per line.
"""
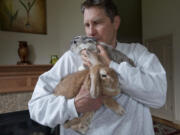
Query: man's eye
x=98 y=22
x=95 y=23
x=86 y=25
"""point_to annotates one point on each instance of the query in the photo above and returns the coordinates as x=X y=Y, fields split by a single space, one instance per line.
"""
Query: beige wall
x=161 y=18
x=64 y=21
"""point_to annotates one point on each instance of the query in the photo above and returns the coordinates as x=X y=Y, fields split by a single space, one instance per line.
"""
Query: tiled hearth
x=11 y=102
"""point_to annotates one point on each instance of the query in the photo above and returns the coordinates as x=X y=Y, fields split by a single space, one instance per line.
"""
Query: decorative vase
x=23 y=53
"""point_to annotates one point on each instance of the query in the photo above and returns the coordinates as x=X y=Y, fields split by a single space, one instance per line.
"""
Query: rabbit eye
x=74 y=42
x=103 y=75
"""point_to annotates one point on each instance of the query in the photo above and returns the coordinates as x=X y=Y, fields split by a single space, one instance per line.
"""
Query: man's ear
x=116 y=22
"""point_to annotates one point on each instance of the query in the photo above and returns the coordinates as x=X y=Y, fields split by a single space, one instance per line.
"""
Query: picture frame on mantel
x=27 y=16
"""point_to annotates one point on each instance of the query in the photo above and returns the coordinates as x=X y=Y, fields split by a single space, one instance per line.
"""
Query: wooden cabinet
x=20 y=78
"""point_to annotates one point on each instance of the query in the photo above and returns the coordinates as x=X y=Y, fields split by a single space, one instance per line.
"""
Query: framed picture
x=27 y=16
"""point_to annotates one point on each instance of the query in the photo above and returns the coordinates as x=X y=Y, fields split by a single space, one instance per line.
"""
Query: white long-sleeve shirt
x=143 y=86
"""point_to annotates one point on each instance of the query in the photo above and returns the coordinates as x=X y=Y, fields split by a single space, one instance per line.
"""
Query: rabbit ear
x=95 y=82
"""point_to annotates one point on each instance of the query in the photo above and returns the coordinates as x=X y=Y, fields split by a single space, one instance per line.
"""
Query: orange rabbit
x=100 y=80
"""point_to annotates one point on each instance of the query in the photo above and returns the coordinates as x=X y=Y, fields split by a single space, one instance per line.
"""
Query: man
x=143 y=86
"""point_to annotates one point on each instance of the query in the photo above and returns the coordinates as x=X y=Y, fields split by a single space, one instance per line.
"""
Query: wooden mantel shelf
x=20 y=78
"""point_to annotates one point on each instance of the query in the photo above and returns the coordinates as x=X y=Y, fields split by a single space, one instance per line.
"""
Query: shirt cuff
x=117 y=66
x=72 y=109
x=113 y=64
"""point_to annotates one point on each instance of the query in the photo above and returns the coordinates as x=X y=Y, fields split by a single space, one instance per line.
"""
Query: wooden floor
x=166 y=122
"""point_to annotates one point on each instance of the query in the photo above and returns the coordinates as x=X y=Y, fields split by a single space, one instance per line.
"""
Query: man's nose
x=92 y=31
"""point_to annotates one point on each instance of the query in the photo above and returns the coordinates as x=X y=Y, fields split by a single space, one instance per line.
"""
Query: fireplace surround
x=19 y=123
x=17 y=84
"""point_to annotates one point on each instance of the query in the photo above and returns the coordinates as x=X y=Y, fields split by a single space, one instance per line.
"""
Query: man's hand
x=104 y=55
x=85 y=59
x=84 y=102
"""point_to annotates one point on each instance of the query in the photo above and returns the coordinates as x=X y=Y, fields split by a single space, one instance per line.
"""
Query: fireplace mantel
x=20 y=78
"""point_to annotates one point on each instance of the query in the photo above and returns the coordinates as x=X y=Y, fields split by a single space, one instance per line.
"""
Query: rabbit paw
x=66 y=125
x=120 y=110
x=81 y=128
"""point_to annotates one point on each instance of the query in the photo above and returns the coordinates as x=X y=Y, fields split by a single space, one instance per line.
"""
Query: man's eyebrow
x=96 y=20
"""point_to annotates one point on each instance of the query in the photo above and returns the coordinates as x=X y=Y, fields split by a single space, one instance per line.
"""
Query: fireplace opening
x=19 y=123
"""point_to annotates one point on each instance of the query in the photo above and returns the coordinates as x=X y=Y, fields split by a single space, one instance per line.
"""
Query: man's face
x=98 y=25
